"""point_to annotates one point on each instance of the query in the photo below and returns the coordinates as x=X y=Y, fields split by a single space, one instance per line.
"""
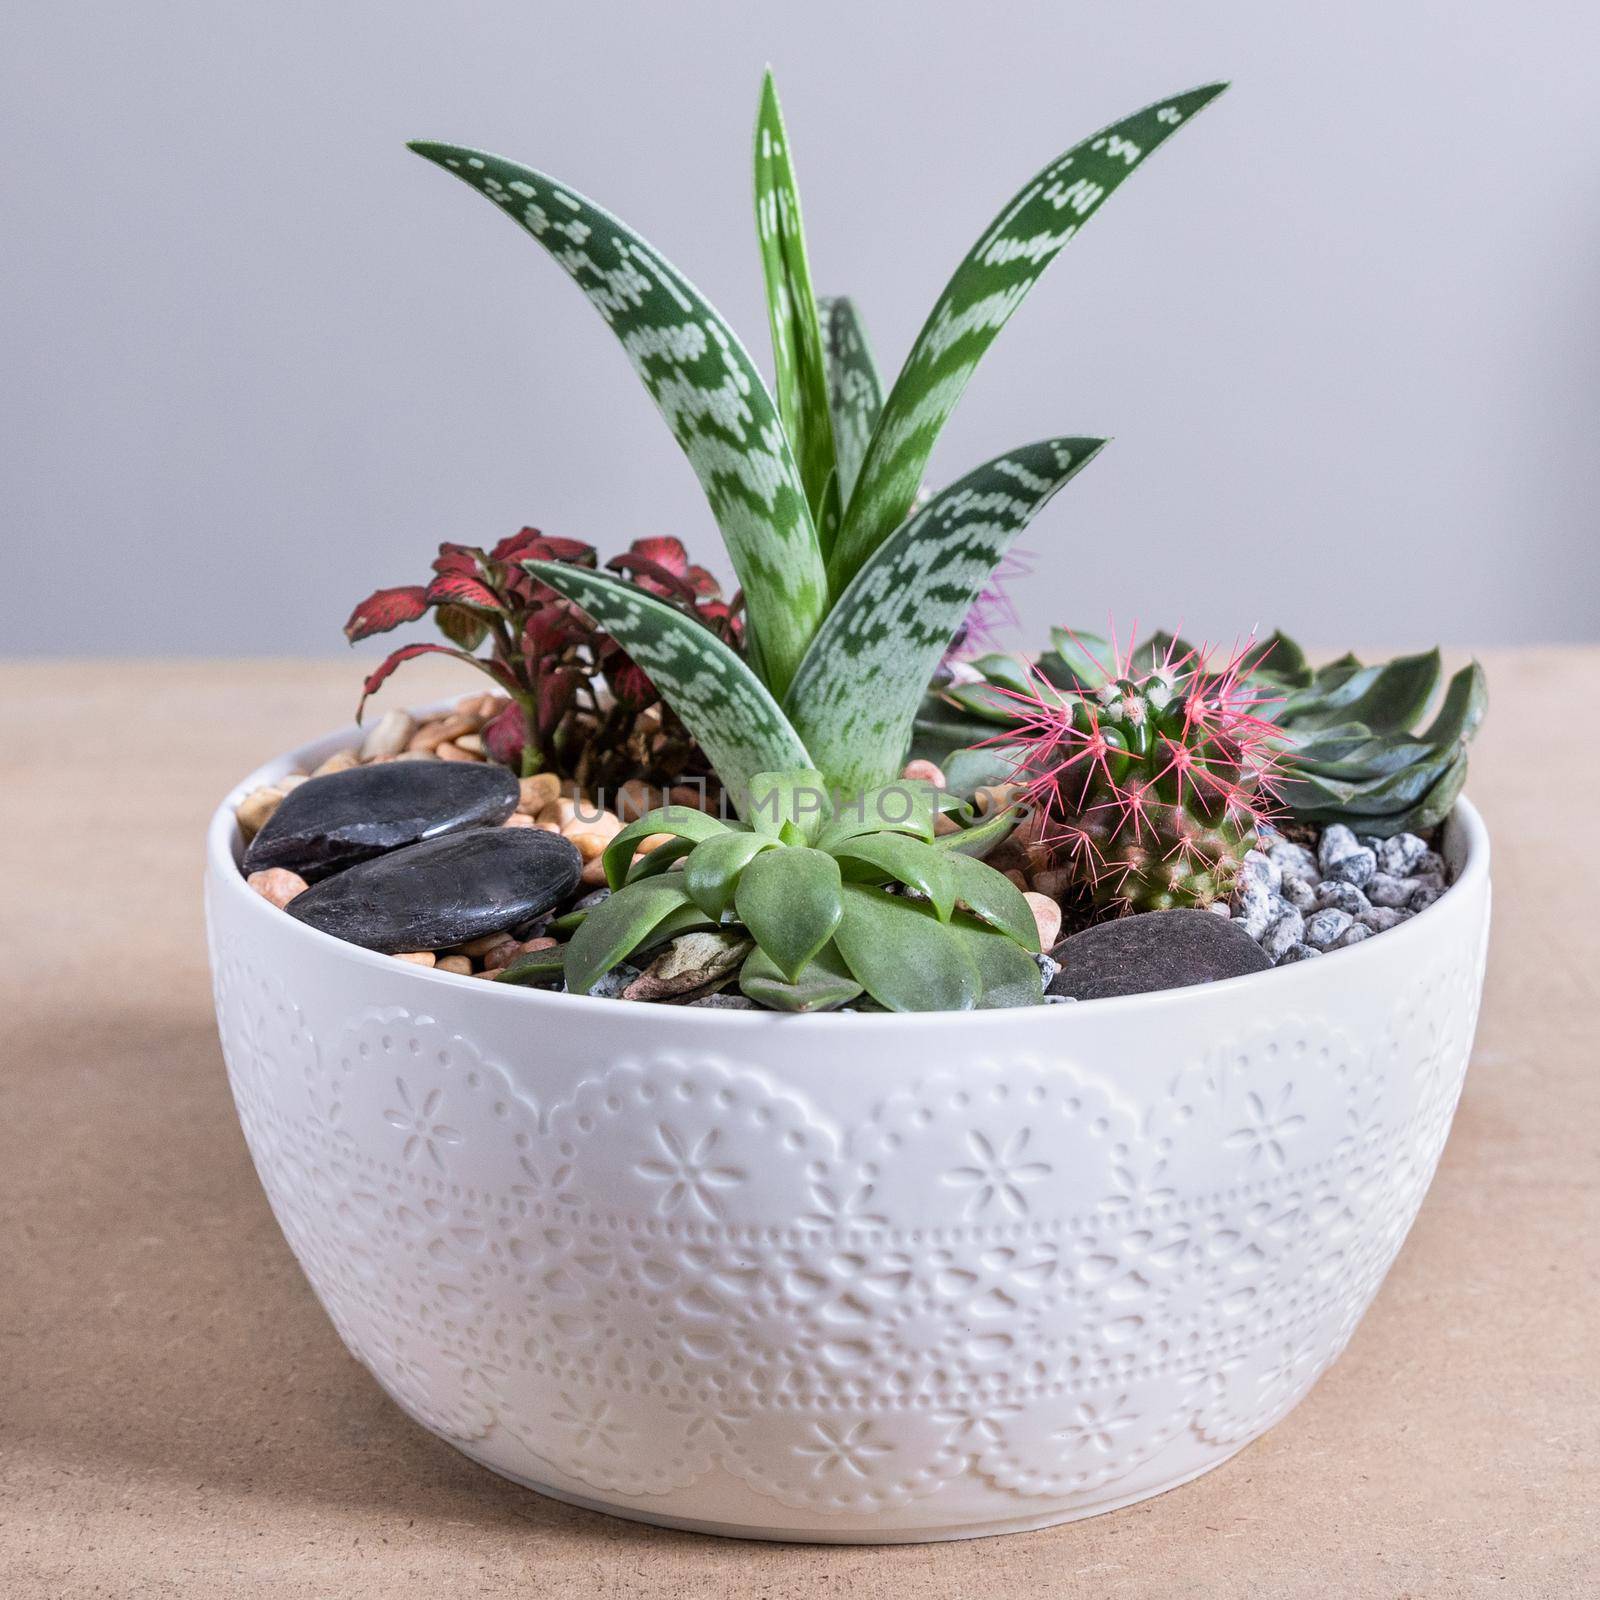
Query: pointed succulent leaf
x=705 y=384
x=789 y=901
x=802 y=385
x=1386 y=698
x=1324 y=803
x=901 y=953
x=1280 y=661
x=982 y=837
x=537 y=967
x=890 y=627
x=909 y=861
x=941 y=728
x=1008 y=974
x=615 y=928
x=711 y=872
x=1078 y=659
x=721 y=701
x=1466 y=700
x=906 y=805
x=968 y=770
x=976 y=303
x=386 y=609
x=993 y=898
x=855 y=392
x=683 y=822
x=789 y=805
x=824 y=984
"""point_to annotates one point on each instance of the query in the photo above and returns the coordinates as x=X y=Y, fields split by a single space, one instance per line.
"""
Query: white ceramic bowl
x=845 y=1278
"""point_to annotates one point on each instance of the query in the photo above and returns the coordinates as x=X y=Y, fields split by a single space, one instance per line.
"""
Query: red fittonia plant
x=579 y=704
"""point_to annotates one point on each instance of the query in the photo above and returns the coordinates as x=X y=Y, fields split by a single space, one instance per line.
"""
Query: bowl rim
x=1465 y=830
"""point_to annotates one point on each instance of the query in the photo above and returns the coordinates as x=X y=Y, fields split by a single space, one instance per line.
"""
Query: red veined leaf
x=461 y=558
x=651 y=576
x=703 y=583
x=386 y=609
x=630 y=685
x=456 y=588
x=556 y=690
x=531 y=545
x=460 y=626
x=376 y=680
x=505 y=735
x=662 y=552
x=549 y=630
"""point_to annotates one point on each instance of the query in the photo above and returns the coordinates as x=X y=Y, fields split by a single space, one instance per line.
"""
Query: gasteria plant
x=838 y=899
x=852 y=595
x=579 y=705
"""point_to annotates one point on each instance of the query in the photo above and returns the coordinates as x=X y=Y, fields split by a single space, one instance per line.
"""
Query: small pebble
x=457 y=964
x=1430 y=861
x=1298 y=952
x=1356 y=866
x=1337 y=840
x=1399 y=856
x=1354 y=934
x=1300 y=894
x=1262 y=869
x=1046 y=913
x=537 y=792
x=277 y=884
x=610 y=986
x=417 y=958
x=924 y=770
x=519 y=819
x=1294 y=860
x=1061 y=999
x=389 y=735
x=1380 y=919
x=1325 y=926
x=1219 y=908
x=254 y=810
x=1286 y=932
x=1342 y=897
x=1422 y=897
x=723 y=1001
x=340 y=761
x=1254 y=906
x=1386 y=890
x=591 y=900
x=1048 y=968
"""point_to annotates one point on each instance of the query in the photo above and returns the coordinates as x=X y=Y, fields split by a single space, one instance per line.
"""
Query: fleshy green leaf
x=786 y=805
x=1466 y=700
x=789 y=899
x=617 y=927
x=905 y=805
x=1079 y=659
x=994 y=898
x=683 y=821
x=722 y=702
x=791 y=307
x=1009 y=975
x=711 y=872
x=855 y=392
x=892 y=624
x=987 y=287
x=967 y=771
x=824 y=984
x=982 y=837
x=705 y=384
x=909 y=861
x=1386 y=698
x=537 y=967
x=904 y=957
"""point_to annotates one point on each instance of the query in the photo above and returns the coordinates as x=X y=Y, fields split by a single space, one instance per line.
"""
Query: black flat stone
x=327 y=824
x=444 y=891
x=1139 y=955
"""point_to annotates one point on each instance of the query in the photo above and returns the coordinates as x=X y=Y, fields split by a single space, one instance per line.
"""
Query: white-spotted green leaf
x=705 y=384
x=976 y=303
x=789 y=900
x=721 y=701
x=857 y=692
x=855 y=391
x=711 y=872
x=802 y=378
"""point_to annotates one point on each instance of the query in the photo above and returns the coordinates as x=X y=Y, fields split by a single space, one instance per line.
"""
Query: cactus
x=1151 y=780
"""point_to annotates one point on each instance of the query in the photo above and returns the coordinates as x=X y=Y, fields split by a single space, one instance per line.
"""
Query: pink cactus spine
x=1153 y=784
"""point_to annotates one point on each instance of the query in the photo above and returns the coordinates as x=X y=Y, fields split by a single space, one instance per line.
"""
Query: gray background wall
x=258 y=359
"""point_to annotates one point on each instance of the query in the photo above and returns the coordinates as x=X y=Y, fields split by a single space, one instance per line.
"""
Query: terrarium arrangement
x=775 y=800
x=825 y=1112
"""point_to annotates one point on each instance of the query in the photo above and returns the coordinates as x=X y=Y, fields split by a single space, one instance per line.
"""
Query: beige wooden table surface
x=177 y=1416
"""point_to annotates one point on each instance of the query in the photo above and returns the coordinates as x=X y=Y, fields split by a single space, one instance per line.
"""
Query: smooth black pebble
x=1158 y=950
x=444 y=891
x=330 y=823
